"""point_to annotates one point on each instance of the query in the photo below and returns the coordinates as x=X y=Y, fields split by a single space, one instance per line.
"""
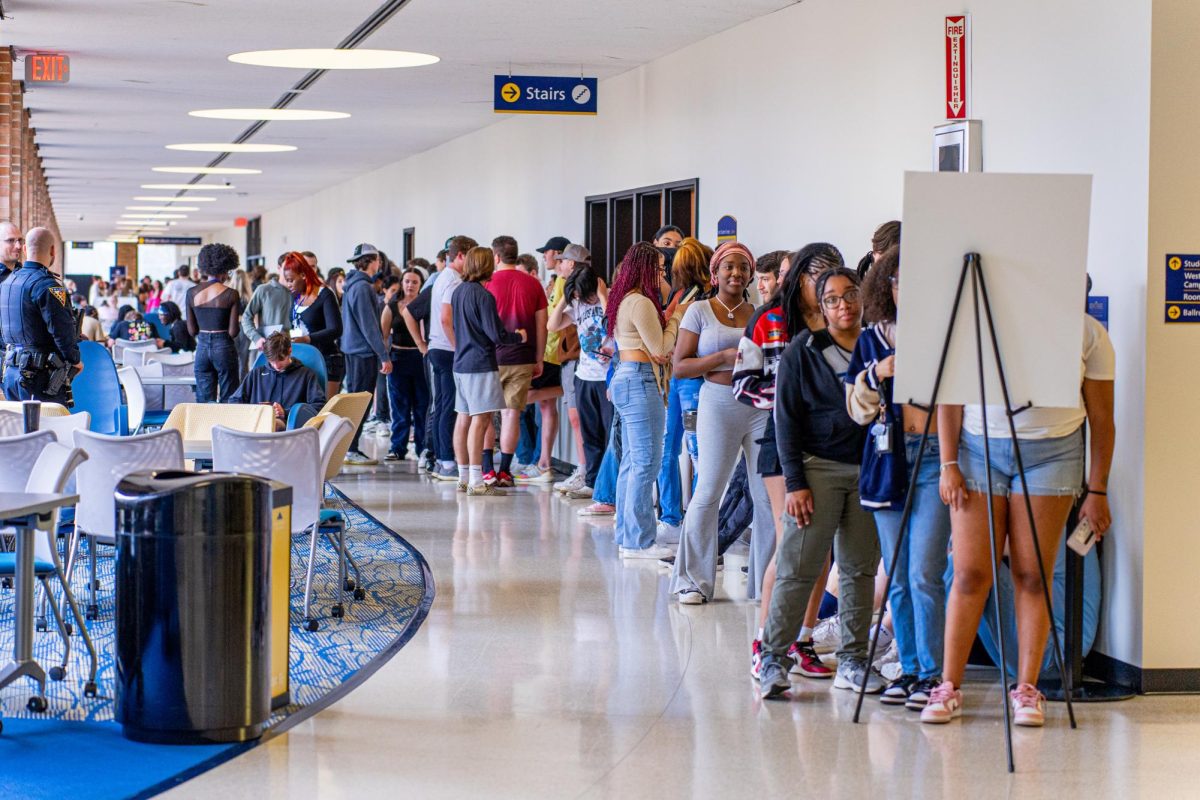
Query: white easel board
x=1031 y=232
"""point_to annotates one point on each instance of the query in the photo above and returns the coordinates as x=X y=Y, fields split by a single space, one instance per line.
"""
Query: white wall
x=801 y=124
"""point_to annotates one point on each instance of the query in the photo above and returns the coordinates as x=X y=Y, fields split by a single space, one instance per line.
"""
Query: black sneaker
x=918 y=698
x=896 y=693
x=393 y=456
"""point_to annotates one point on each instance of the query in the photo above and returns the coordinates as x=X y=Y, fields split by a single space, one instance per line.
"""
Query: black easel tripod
x=973 y=267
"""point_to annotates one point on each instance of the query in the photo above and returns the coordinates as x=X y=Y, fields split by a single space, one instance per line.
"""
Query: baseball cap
x=577 y=253
x=558 y=243
x=361 y=250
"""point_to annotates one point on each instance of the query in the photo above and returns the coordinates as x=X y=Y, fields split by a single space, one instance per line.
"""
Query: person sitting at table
x=181 y=338
x=283 y=383
x=133 y=327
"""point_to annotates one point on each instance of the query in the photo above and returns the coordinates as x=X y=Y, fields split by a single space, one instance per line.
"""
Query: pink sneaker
x=1028 y=706
x=945 y=704
x=807 y=662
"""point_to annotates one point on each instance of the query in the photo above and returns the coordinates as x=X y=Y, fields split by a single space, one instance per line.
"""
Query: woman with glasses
x=820 y=448
x=917 y=597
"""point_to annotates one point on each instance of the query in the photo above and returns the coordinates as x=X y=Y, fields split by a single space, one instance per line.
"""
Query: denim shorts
x=1053 y=467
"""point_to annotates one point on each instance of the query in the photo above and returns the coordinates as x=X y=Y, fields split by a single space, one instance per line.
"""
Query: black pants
x=409 y=395
x=595 y=418
x=430 y=418
x=360 y=377
x=216 y=367
x=442 y=362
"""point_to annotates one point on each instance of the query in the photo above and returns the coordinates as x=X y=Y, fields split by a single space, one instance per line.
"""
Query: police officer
x=12 y=251
x=41 y=352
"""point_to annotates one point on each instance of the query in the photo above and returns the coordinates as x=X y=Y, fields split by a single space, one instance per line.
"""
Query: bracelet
x=1093 y=491
x=948 y=464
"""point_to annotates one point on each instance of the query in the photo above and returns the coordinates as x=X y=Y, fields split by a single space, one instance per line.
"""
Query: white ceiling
x=138 y=67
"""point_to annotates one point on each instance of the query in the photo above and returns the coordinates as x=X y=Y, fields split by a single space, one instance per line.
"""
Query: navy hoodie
x=296 y=384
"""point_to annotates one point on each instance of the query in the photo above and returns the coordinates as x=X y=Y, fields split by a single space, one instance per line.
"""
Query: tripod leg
x=1037 y=546
x=906 y=517
x=991 y=504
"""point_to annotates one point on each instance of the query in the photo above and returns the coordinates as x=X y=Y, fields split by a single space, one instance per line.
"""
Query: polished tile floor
x=547 y=668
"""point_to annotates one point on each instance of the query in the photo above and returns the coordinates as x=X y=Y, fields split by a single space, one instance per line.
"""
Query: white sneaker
x=654 y=551
x=532 y=473
x=356 y=459
x=691 y=598
x=669 y=533
x=827 y=636
x=888 y=664
x=571 y=483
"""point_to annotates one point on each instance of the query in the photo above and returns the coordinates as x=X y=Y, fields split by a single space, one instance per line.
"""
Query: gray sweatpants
x=840 y=521
x=725 y=428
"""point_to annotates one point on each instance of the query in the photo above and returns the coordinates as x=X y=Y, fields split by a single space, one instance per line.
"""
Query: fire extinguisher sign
x=958 y=65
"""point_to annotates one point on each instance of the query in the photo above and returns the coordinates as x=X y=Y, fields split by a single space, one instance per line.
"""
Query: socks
x=506 y=460
x=463 y=473
x=488 y=464
x=760 y=634
x=476 y=475
x=806 y=634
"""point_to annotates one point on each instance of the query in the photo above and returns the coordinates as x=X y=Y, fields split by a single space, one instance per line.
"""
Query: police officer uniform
x=41 y=341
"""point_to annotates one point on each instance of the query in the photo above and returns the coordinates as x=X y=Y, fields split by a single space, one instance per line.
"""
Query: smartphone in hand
x=1083 y=538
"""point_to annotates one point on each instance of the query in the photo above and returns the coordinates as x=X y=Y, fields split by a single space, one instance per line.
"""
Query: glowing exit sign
x=45 y=68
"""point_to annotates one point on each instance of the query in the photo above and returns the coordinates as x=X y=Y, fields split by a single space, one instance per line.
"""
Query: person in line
x=415 y=315
x=886 y=237
x=177 y=288
x=582 y=305
x=407 y=388
x=283 y=383
x=767 y=274
x=691 y=279
x=478 y=329
x=441 y=356
x=820 y=448
x=522 y=306
x=707 y=349
x=213 y=313
x=548 y=387
x=316 y=318
x=335 y=281
x=363 y=344
x=917 y=597
x=568 y=260
x=154 y=296
x=529 y=263
x=667 y=239
x=793 y=309
x=180 y=338
x=1052 y=449
x=269 y=310
x=645 y=334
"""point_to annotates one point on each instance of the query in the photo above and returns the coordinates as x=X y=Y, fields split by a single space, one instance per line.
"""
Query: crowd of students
x=785 y=411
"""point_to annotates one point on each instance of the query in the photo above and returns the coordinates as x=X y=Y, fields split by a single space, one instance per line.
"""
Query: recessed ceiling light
x=136 y=225
x=268 y=114
x=208 y=170
x=162 y=208
x=218 y=147
x=154 y=216
x=329 y=58
x=204 y=187
x=168 y=198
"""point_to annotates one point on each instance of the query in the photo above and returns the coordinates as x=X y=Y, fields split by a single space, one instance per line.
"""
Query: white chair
x=111 y=458
x=122 y=346
x=51 y=473
x=136 y=356
x=64 y=427
x=157 y=395
x=18 y=454
x=175 y=365
x=291 y=457
x=170 y=359
x=135 y=398
x=11 y=424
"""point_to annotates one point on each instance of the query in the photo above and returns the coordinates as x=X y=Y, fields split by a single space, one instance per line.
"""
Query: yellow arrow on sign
x=510 y=92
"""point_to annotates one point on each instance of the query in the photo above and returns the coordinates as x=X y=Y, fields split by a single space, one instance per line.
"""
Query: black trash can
x=192 y=607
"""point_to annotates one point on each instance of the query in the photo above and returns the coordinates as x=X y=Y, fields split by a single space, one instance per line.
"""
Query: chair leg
x=310 y=623
x=59 y=672
x=93 y=609
x=89 y=689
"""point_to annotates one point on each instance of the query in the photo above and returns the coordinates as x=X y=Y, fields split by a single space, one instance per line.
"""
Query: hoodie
x=361 y=334
x=296 y=384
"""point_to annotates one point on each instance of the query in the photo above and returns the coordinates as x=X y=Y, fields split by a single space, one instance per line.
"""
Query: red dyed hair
x=294 y=262
x=638 y=272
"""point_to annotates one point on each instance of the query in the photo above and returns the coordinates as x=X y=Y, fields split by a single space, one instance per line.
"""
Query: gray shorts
x=568 y=383
x=478 y=392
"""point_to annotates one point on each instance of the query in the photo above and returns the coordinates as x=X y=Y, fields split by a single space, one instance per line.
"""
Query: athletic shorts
x=568 y=382
x=515 y=380
x=768 y=452
x=1053 y=467
x=551 y=377
x=335 y=367
x=477 y=393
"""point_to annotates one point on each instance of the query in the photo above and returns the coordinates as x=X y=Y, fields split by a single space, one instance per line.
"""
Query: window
x=254 y=254
x=613 y=222
x=410 y=235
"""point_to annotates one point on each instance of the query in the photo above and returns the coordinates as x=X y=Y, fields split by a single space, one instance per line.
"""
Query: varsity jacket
x=883 y=479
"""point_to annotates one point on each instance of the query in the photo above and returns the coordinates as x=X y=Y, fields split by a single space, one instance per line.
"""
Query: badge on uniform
x=59 y=293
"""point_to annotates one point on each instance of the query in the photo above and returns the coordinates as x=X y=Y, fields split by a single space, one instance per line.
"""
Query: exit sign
x=47 y=68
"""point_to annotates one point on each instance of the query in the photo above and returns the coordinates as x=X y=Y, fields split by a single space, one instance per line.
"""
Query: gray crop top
x=715 y=336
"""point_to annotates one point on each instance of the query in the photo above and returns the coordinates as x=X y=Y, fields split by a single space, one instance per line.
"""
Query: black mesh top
x=213 y=307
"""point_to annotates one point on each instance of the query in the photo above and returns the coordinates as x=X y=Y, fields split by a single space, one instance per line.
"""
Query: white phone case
x=1083 y=538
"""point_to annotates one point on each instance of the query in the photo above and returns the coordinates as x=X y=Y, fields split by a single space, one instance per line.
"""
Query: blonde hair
x=690 y=267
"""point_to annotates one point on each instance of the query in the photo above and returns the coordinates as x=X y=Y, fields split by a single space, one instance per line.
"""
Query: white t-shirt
x=592 y=328
x=1099 y=363
x=714 y=334
x=443 y=289
x=176 y=291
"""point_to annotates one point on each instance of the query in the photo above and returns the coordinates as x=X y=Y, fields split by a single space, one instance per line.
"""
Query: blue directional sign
x=529 y=94
x=1183 y=288
x=727 y=229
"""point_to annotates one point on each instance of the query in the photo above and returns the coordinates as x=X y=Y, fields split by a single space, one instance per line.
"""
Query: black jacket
x=810 y=410
x=296 y=384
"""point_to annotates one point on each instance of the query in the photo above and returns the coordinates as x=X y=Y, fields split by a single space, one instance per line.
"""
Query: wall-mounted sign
x=1097 y=307
x=116 y=272
x=529 y=94
x=42 y=68
x=169 y=240
x=1183 y=288
x=727 y=229
x=81 y=245
x=958 y=66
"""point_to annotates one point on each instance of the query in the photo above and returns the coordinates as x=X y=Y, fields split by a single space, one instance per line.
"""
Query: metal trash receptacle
x=193 y=607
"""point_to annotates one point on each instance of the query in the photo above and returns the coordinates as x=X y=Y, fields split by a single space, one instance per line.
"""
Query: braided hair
x=814 y=259
x=638 y=272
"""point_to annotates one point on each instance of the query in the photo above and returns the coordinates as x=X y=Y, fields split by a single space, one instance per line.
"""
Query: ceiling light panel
x=154 y=216
x=162 y=208
x=170 y=198
x=219 y=147
x=208 y=170
x=187 y=187
x=268 y=114
x=321 y=58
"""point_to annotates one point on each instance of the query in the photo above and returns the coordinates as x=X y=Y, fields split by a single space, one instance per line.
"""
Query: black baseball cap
x=556 y=243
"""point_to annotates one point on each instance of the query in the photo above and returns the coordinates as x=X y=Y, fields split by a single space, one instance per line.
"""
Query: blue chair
x=306 y=354
x=97 y=389
x=154 y=319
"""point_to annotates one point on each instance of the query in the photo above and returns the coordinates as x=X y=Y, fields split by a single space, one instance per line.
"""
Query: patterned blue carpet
x=78 y=732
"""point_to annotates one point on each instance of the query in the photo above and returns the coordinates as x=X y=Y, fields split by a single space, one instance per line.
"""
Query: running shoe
x=505 y=480
x=445 y=473
x=392 y=455
x=918 y=698
x=484 y=490
x=827 y=636
x=582 y=493
x=1028 y=706
x=597 y=510
x=489 y=478
x=807 y=662
x=945 y=704
x=357 y=459
x=571 y=483
x=773 y=679
x=850 y=676
x=692 y=598
x=532 y=473
x=653 y=551
x=898 y=691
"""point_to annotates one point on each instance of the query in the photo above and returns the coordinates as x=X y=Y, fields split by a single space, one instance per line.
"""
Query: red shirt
x=519 y=296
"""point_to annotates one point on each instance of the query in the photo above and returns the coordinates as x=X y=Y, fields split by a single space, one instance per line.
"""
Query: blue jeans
x=216 y=367
x=636 y=398
x=408 y=396
x=684 y=396
x=529 y=446
x=918 y=594
x=442 y=364
x=605 y=490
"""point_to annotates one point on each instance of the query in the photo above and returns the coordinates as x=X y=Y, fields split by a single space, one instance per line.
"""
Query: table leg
x=23 y=663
